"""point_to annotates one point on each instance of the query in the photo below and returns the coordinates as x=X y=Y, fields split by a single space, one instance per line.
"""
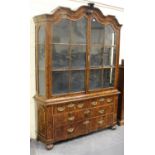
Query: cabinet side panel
x=41 y=121
x=115 y=110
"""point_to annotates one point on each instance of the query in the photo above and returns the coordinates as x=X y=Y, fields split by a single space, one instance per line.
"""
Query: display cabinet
x=77 y=55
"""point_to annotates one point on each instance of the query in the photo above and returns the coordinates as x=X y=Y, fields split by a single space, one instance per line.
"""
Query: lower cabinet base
x=62 y=120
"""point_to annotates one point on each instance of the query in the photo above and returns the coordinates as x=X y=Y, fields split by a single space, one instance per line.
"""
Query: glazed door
x=68 y=56
x=102 y=55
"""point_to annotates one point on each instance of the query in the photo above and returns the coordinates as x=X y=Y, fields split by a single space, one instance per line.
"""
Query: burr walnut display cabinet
x=77 y=55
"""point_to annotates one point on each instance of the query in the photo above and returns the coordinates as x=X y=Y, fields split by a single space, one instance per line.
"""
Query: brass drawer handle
x=101 y=111
x=70 y=130
x=86 y=122
x=71 y=105
x=109 y=100
x=80 y=105
x=87 y=111
x=102 y=99
x=61 y=109
x=71 y=118
x=100 y=122
x=94 y=103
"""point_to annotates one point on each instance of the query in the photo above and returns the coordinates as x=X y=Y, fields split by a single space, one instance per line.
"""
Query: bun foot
x=49 y=146
x=114 y=127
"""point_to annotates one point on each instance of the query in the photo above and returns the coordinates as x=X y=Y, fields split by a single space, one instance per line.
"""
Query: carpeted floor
x=105 y=142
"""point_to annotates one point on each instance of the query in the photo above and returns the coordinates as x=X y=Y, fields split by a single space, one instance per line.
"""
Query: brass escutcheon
x=71 y=105
x=87 y=111
x=80 y=105
x=100 y=122
x=101 y=111
x=101 y=100
x=86 y=122
x=71 y=118
x=61 y=109
x=70 y=130
x=94 y=103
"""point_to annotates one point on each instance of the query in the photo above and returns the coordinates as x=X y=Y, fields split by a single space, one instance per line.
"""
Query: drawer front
x=82 y=127
x=68 y=131
x=102 y=110
x=106 y=100
x=60 y=108
x=66 y=118
x=71 y=106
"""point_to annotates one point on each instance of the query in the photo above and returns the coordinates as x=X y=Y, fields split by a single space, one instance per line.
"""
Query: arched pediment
x=64 y=12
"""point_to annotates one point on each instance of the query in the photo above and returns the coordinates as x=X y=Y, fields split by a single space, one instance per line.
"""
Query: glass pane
x=60 y=56
x=114 y=56
x=41 y=82
x=77 y=80
x=41 y=61
x=61 y=31
x=60 y=82
x=95 y=79
x=108 y=77
x=79 y=31
x=110 y=36
x=41 y=56
x=96 y=56
x=97 y=32
x=109 y=56
x=78 y=56
x=41 y=35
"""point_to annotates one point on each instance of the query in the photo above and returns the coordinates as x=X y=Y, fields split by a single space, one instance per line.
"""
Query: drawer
x=71 y=131
x=102 y=110
x=60 y=108
x=71 y=106
x=97 y=122
x=66 y=118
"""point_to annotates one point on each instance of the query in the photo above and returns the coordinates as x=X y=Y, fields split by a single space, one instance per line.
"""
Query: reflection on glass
x=78 y=56
x=114 y=56
x=61 y=31
x=108 y=77
x=41 y=61
x=41 y=56
x=97 y=32
x=77 y=81
x=96 y=56
x=42 y=35
x=60 y=82
x=79 y=31
x=60 y=56
x=95 y=79
x=110 y=36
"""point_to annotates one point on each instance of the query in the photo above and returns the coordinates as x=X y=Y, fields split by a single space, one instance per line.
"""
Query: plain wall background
x=46 y=6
